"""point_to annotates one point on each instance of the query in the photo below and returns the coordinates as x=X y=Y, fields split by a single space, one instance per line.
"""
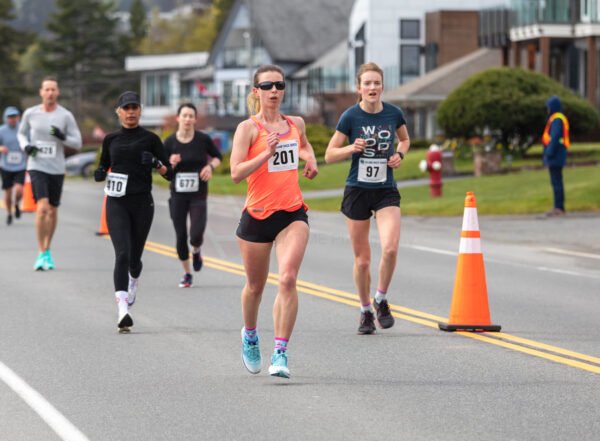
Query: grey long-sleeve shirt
x=35 y=131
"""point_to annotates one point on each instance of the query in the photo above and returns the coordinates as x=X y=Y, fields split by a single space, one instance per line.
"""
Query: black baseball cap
x=128 y=98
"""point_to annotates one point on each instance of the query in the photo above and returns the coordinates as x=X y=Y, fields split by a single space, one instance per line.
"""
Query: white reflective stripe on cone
x=470 y=245
x=470 y=222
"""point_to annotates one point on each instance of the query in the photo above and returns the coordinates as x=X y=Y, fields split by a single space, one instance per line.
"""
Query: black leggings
x=180 y=205
x=128 y=219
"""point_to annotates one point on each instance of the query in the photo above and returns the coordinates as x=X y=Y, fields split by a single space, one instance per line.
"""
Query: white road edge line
x=57 y=422
x=572 y=253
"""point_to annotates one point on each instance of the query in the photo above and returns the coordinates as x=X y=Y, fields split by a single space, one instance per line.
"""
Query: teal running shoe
x=40 y=262
x=279 y=367
x=49 y=264
x=251 y=355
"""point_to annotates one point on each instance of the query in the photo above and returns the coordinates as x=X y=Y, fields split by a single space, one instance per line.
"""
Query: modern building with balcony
x=558 y=38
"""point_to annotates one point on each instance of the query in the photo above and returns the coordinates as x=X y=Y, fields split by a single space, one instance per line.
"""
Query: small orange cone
x=103 y=227
x=28 y=203
x=469 y=310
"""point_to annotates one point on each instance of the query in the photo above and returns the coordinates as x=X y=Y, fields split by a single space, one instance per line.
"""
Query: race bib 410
x=116 y=184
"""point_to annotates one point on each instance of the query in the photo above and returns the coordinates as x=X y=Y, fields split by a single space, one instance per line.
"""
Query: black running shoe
x=384 y=316
x=17 y=211
x=197 y=261
x=367 y=323
x=186 y=281
x=9 y=219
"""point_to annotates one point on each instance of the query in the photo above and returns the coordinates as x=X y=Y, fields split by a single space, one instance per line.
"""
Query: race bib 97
x=187 y=182
x=46 y=149
x=372 y=169
x=285 y=157
x=116 y=184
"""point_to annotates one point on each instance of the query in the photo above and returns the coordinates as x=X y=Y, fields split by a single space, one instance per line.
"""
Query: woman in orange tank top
x=266 y=149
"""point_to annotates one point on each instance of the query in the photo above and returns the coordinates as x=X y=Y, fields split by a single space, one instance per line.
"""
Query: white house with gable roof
x=162 y=83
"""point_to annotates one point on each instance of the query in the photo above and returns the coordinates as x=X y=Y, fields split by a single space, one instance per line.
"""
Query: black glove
x=31 y=150
x=149 y=159
x=55 y=131
x=99 y=174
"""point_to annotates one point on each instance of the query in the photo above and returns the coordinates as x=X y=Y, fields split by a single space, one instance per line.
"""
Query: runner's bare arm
x=306 y=151
x=244 y=136
x=338 y=151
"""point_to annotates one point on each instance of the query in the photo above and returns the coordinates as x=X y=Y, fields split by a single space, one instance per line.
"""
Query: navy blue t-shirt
x=369 y=169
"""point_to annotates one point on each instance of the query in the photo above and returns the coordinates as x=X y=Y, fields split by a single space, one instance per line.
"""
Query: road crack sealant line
x=508 y=341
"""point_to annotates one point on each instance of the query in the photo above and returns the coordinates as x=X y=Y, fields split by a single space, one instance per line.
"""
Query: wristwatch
x=401 y=154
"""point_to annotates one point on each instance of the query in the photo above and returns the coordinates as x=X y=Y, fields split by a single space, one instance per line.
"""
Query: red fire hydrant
x=434 y=166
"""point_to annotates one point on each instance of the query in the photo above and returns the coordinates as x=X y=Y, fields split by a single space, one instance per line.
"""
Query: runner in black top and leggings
x=128 y=157
x=188 y=152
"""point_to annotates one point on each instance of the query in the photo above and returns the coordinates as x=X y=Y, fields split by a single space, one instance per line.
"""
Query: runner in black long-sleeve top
x=189 y=152
x=128 y=157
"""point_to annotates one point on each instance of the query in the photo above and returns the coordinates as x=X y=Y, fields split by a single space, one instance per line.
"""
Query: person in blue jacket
x=556 y=142
x=12 y=162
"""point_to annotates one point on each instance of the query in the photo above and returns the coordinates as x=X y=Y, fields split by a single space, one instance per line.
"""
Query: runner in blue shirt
x=12 y=162
x=371 y=127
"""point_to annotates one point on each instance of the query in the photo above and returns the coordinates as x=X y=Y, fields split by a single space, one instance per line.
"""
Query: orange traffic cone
x=469 y=310
x=28 y=203
x=103 y=227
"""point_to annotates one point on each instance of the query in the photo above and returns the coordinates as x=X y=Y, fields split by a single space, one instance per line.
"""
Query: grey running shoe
x=132 y=290
x=384 y=316
x=367 y=323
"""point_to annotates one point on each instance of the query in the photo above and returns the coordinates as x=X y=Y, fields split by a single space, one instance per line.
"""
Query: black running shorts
x=266 y=230
x=10 y=178
x=44 y=185
x=358 y=202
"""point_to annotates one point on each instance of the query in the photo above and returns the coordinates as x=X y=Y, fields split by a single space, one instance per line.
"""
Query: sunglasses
x=268 y=85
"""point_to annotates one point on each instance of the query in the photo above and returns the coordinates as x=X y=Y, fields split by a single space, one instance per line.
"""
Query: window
x=359 y=47
x=431 y=55
x=410 y=55
x=158 y=92
x=410 y=29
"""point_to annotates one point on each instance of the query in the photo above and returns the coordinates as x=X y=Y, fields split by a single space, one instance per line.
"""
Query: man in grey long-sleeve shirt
x=45 y=130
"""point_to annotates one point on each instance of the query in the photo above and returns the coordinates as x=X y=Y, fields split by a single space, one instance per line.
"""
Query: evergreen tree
x=12 y=43
x=137 y=24
x=83 y=50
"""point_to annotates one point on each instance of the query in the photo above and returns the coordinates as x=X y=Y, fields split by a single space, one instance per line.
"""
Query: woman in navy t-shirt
x=371 y=127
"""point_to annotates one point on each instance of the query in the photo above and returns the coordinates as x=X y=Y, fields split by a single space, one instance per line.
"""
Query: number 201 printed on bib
x=285 y=157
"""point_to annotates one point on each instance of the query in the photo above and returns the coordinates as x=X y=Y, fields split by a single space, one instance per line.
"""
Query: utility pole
x=248 y=36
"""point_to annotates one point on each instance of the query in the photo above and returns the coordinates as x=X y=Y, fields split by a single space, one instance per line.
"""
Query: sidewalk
x=340 y=191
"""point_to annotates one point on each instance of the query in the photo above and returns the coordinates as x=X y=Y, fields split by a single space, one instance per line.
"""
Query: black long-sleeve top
x=122 y=153
x=194 y=155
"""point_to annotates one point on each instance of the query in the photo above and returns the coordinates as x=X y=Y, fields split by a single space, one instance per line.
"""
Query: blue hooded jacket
x=15 y=159
x=555 y=153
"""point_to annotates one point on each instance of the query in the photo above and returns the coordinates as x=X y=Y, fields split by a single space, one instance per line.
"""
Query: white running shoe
x=124 y=318
x=125 y=322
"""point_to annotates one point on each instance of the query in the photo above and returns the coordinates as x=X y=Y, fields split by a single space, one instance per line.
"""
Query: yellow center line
x=501 y=339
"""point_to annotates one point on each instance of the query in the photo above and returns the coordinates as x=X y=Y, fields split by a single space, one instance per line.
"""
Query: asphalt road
x=65 y=373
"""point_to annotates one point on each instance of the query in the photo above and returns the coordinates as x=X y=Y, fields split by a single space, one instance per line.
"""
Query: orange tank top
x=274 y=186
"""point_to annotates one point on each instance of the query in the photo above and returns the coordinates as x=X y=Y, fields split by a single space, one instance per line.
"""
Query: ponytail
x=253 y=103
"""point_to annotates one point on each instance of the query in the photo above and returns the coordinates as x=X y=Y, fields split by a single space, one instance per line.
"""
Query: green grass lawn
x=508 y=193
x=513 y=193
